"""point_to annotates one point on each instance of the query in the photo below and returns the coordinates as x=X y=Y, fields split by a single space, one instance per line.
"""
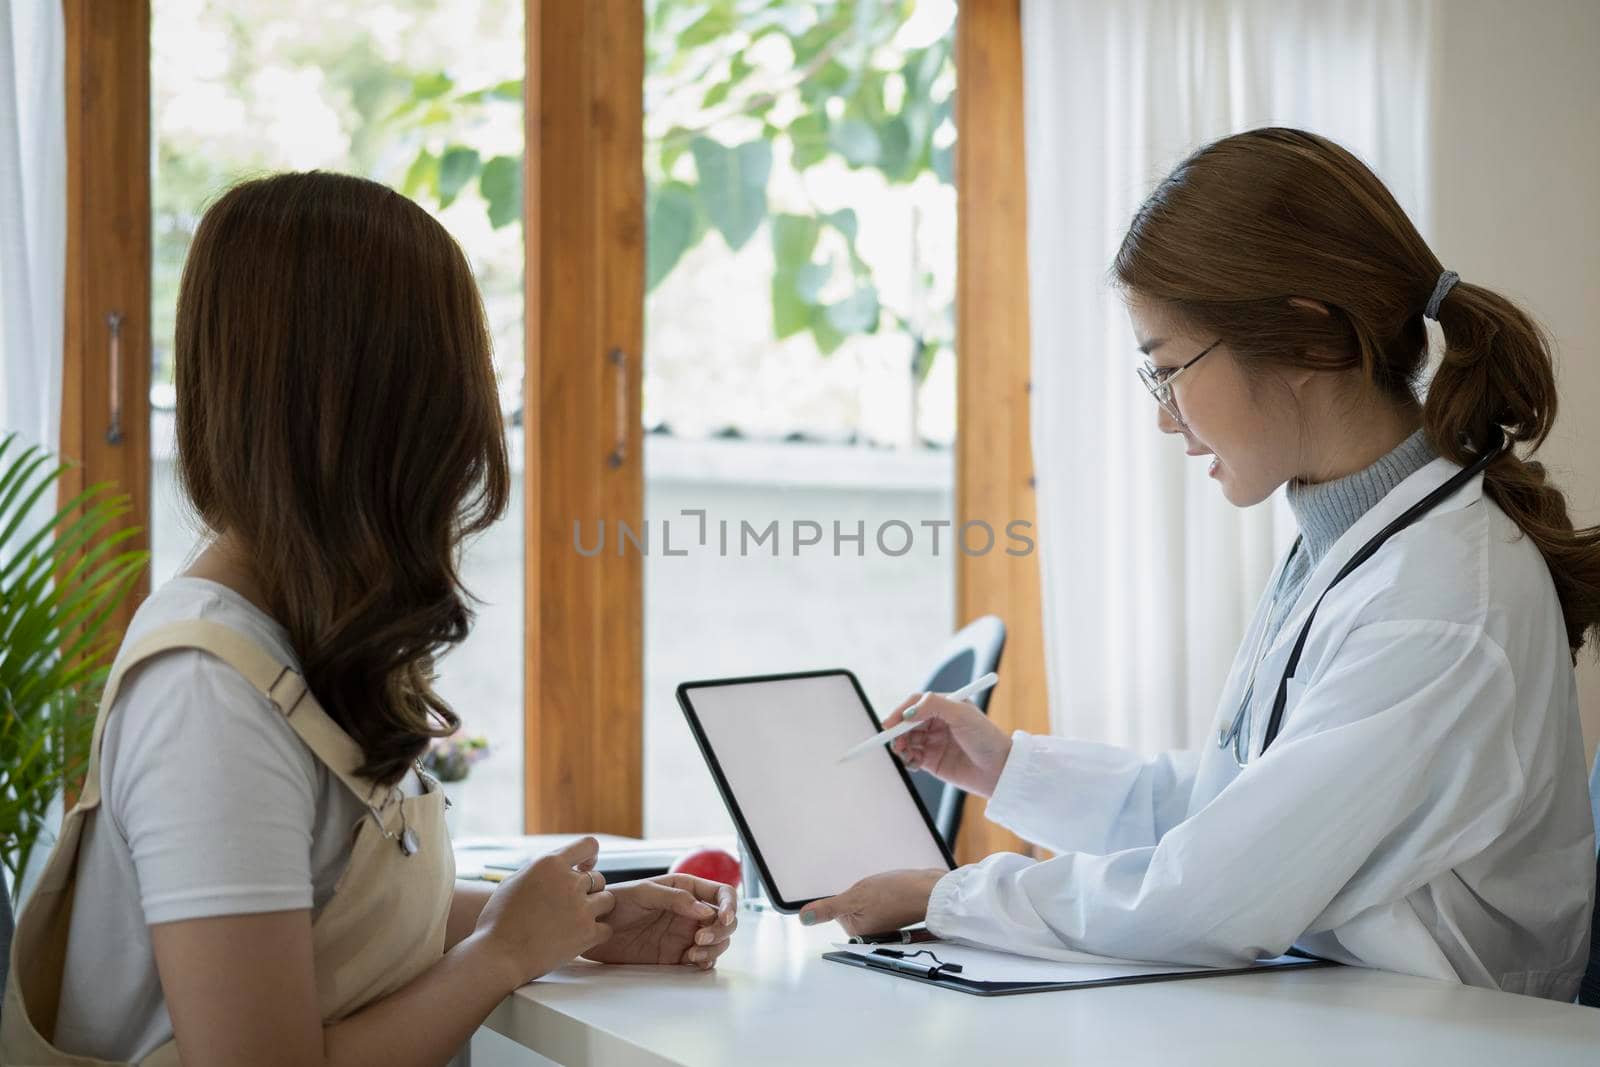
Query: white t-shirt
x=211 y=805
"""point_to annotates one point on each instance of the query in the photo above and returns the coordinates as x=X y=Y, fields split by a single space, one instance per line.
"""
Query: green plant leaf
x=856 y=313
x=894 y=140
x=818 y=36
x=25 y=491
x=670 y=230
x=794 y=296
x=922 y=67
x=808 y=135
x=508 y=90
x=793 y=239
x=59 y=589
x=673 y=144
x=922 y=358
x=500 y=182
x=918 y=118
x=856 y=141
x=843 y=220
x=827 y=335
x=810 y=279
x=733 y=186
x=69 y=536
x=943 y=162
x=714 y=24
x=790 y=312
x=786 y=16
x=834 y=79
x=457 y=167
x=867 y=102
x=12 y=472
x=423 y=174
x=430 y=86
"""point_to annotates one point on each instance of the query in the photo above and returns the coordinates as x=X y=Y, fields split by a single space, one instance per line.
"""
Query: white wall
x=1516 y=205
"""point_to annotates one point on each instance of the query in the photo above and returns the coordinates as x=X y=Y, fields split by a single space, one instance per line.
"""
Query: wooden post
x=994 y=454
x=584 y=206
x=105 y=380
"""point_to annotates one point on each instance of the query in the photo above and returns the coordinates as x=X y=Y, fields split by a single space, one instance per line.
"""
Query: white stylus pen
x=966 y=692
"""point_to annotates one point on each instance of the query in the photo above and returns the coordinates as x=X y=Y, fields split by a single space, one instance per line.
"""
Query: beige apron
x=384 y=925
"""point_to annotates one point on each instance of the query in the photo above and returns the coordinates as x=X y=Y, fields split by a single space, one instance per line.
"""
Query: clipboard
x=917 y=966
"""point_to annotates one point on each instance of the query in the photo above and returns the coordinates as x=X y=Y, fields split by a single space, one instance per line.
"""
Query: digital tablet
x=815 y=826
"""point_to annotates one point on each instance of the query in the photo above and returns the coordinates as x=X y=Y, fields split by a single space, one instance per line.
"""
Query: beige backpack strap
x=38 y=950
x=273 y=679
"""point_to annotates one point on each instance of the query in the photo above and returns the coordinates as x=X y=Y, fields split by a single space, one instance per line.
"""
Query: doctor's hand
x=547 y=912
x=675 y=918
x=959 y=744
x=879 y=903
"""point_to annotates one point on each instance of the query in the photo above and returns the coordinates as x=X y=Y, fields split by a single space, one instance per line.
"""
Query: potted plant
x=59 y=586
x=449 y=759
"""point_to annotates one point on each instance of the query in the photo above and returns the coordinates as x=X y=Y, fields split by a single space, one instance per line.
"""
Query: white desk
x=772 y=1000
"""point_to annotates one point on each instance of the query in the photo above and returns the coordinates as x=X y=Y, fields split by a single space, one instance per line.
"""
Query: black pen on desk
x=914 y=936
x=897 y=962
x=901 y=954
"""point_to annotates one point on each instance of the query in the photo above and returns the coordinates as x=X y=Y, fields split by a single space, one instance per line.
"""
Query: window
x=799 y=383
x=799 y=365
x=398 y=92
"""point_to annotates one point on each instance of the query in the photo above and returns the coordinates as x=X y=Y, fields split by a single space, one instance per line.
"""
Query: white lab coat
x=1424 y=808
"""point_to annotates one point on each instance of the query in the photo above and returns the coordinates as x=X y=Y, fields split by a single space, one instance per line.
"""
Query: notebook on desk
x=990 y=973
x=621 y=859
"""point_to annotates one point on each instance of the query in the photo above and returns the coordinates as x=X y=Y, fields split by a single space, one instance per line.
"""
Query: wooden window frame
x=107 y=73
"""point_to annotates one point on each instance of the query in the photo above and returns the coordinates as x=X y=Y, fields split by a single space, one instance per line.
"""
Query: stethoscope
x=1230 y=734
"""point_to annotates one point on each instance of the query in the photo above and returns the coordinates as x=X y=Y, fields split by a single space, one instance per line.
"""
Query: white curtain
x=33 y=247
x=33 y=217
x=1150 y=575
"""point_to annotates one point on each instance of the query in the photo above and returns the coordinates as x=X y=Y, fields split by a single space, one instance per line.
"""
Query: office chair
x=1589 y=991
x=971 y=653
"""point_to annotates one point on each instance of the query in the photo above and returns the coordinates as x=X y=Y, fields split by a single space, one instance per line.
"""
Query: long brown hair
x=337 y=415
x=1250 y=220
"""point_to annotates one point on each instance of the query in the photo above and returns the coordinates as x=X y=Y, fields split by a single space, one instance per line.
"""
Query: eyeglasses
x=1159 y=381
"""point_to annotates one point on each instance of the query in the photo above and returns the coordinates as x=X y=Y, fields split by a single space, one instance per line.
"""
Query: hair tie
x=1446 y=282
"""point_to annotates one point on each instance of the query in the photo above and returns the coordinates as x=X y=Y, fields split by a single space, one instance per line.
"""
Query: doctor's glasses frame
x=1158 y=380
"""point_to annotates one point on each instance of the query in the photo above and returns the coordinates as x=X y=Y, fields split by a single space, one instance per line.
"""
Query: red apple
x=712 y=864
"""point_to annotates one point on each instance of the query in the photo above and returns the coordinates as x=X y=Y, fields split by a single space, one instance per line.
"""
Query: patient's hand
x=675 y=918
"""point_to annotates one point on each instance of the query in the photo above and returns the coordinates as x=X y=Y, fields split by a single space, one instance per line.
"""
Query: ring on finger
x=592 y=888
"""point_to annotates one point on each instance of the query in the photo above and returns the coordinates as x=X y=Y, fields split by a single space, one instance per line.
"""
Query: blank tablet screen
x=816 y=824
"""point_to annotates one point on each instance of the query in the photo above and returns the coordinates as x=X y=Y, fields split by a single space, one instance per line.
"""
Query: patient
x=266 y=876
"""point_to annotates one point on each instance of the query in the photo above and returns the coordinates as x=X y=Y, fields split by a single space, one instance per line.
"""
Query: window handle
x=114 y=326
x=619 y=451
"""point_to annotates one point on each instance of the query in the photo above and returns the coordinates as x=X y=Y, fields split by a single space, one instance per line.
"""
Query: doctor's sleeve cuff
x=962 y=901
x=940 y=919
x=988 y=904
x=1022 y=793
x=1084 y=796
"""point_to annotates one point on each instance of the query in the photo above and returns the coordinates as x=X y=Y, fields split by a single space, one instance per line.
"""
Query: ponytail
x=1497 y=373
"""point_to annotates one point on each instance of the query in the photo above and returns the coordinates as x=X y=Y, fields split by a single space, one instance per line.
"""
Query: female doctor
x=1394 y=777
